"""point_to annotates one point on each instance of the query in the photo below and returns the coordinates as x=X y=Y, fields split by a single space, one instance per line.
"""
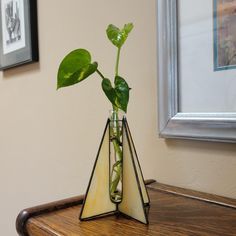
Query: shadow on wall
x=204 y=146
x=20 y=70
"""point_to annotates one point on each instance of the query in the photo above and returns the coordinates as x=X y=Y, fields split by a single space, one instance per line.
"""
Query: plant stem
x=116 y=173
x=117 y=166
x=117 y=61
x=100 y=73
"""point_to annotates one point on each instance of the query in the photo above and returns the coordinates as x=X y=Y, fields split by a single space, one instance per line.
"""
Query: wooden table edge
x=28 y=213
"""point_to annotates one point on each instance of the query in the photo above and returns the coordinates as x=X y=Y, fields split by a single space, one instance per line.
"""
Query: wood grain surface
x=169 y=214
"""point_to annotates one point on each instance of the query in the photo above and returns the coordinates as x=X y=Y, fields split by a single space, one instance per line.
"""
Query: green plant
x=78 y=65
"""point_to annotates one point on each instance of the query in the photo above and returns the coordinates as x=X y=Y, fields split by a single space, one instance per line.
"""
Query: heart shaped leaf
x=118 y=36
x=75 y=67
x=118 y=96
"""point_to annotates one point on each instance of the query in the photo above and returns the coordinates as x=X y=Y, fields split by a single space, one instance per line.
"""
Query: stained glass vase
x=116 y=185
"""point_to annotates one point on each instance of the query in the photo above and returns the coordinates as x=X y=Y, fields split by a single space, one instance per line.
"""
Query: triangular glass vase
x=131 y=197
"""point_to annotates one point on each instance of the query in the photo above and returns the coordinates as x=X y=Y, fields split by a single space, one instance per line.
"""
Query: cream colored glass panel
x=132 y=202
x=139 y=171
x=98 y=199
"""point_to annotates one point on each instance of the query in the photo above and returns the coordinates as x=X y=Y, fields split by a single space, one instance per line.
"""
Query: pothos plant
x=78 y=66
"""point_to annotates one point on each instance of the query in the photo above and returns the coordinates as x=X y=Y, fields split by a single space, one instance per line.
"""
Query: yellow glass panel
x=98 y=201
x=138 y=168
x=132 y=202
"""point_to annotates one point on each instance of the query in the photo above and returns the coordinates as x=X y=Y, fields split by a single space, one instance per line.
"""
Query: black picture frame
x=18 y=33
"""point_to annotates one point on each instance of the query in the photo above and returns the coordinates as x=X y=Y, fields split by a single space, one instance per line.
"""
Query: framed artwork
x=224 y=34
x=18 y=33
x=197 y=69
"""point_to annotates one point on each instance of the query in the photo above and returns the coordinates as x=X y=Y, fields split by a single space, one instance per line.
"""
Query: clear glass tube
x=116 y=155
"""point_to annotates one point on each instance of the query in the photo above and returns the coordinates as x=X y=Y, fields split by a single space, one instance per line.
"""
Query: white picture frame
x=208 y=126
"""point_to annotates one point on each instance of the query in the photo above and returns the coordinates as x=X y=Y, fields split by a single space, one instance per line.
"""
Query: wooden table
x=174 y=211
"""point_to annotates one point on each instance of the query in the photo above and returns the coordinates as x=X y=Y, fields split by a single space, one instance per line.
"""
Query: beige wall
x=49 y=138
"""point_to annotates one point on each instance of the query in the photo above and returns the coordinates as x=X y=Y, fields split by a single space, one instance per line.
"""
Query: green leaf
x=122 y=93
x=118 y=96
x=128 y=27
x=75 y=67
x=118 y=36
x=109 y=90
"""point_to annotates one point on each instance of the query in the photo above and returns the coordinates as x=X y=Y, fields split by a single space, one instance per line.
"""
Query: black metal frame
x=30 y=52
